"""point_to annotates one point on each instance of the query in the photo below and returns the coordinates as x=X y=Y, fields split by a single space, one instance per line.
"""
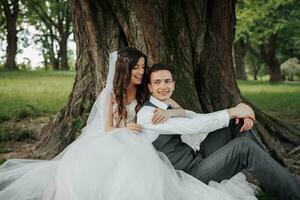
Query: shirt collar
x=158 y=103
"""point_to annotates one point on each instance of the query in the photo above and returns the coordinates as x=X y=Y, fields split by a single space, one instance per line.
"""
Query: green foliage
x=258 y=19
x=21 y=21
x=255 y=66
x=51 y=18
x=270 y=29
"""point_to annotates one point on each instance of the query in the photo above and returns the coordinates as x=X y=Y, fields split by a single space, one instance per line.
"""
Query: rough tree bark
x=11 y=11
x=194 y=37
x=217 y=87
x=240 y=51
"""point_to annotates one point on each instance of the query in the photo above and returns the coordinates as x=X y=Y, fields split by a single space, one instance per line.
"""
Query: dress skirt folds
x=120 y=165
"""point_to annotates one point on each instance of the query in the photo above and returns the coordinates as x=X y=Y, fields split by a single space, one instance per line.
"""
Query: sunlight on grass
x=25 y=94
x=280 y=100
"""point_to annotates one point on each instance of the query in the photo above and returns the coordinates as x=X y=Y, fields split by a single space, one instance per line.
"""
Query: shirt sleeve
x=198 y=123
x=191 y=114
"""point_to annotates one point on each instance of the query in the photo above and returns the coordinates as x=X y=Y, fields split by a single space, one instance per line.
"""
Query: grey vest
x=179 y=153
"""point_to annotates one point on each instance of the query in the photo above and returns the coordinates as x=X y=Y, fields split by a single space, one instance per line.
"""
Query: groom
x=224 y=152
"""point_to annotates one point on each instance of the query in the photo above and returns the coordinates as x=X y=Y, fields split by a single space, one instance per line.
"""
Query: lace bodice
x=130 y=108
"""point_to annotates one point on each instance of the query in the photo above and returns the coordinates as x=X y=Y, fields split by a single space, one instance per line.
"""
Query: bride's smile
x=138 y=72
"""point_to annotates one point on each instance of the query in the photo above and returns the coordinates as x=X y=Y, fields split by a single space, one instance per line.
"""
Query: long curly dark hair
x=128 y=57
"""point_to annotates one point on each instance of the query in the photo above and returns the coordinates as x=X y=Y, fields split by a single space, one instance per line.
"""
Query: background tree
x=2 y=22
x=52 y=19
x=267 y=25
x=291 y=67
x=48 y=45
x=198 y=47
x=10 y=9
x=255 y=63
x=240 y=48
x=2 y=33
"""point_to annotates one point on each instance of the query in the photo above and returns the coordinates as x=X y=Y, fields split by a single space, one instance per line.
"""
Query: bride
x=110 y=161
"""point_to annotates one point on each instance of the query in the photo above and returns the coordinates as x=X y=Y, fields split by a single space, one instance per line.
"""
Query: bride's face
x=138 y=72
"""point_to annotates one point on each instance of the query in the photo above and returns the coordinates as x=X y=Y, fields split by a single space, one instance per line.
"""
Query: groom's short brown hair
x=157 y=67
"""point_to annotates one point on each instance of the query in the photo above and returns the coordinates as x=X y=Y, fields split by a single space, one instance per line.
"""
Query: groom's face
x=161 y=85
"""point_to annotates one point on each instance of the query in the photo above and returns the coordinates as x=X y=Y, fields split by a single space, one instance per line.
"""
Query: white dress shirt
x=192 y=124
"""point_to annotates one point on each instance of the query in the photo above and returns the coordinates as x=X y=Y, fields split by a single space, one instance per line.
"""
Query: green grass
x=14 y=133
x=33 y=93
x=280 y=100
x=4 y=149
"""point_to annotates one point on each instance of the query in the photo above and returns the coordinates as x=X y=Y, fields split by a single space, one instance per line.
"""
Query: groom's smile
x=161 y=84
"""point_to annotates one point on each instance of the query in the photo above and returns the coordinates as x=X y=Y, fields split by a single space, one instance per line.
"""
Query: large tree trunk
x=194 y=37
x=240 y=51
x=11 y=10
x=217 y=86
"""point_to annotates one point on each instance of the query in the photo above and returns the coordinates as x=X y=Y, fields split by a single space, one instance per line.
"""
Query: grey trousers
x=226 y=152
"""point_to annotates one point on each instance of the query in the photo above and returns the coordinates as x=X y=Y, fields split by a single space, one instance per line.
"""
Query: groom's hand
x=247 y=125
x=241 y=111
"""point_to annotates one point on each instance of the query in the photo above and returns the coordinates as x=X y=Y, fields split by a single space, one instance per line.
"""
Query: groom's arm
x=202 y=123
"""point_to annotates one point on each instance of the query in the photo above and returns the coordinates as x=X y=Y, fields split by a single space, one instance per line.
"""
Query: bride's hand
x=160 y=115
x=134 y=127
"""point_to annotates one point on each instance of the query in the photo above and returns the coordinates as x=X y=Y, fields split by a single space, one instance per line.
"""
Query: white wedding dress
x=120 y=165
